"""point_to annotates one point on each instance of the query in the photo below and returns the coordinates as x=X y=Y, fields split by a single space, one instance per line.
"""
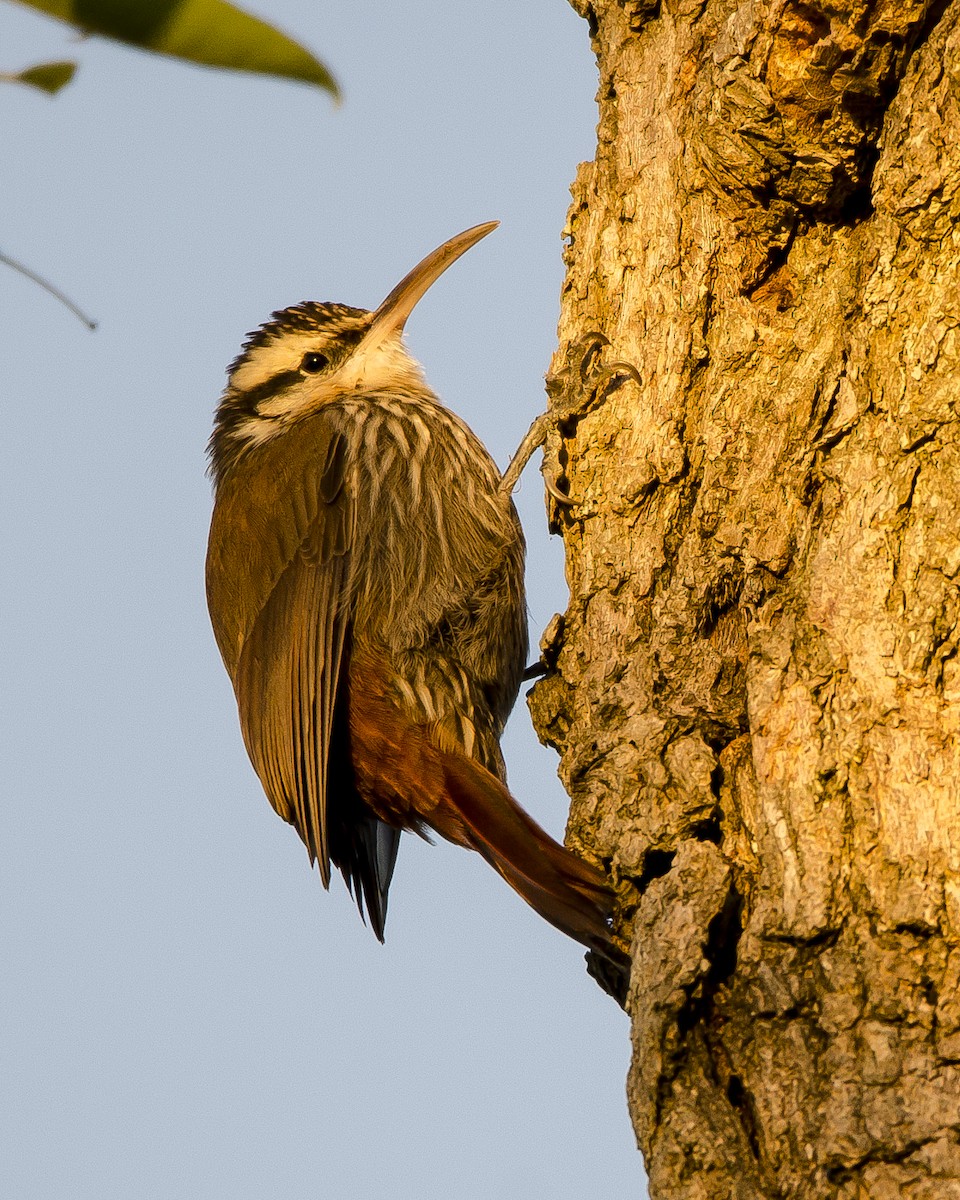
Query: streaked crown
x=304 y=357
x=314 y=354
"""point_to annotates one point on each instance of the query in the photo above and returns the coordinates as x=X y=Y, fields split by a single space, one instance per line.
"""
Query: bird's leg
x=547 y=428
x=550 y=643
x=548 y=431
x=536 y=670
x=534 y=438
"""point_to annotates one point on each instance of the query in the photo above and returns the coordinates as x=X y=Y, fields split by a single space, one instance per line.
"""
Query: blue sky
x=183 y=1011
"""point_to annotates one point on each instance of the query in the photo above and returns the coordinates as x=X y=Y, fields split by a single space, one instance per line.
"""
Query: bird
x=364 y=580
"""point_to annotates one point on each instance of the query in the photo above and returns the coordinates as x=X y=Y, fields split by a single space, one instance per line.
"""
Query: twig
x=47 y=287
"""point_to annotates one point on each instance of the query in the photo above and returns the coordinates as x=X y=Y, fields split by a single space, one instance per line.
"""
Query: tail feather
x=564 y=889
x=366 y=853
x=407 y=780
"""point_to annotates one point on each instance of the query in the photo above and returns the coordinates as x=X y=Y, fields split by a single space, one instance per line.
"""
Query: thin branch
x=47 y=287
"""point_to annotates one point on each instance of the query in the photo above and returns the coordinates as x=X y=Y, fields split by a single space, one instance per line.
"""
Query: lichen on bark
x=755 y=690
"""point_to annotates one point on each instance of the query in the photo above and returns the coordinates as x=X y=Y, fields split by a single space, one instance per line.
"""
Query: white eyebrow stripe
x=274 y=358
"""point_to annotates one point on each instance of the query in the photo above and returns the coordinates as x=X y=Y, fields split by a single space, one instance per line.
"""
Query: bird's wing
x=278 y=582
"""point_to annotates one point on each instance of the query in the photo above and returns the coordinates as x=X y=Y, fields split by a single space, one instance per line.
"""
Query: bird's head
x=309 y=355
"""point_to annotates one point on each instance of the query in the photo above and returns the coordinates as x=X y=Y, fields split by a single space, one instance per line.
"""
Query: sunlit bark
x=755 y=689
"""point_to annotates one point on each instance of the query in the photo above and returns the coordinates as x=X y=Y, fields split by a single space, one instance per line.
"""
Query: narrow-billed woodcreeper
x=365 y=584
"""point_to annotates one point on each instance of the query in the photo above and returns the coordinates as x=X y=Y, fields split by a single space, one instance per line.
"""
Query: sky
x=184 y=1012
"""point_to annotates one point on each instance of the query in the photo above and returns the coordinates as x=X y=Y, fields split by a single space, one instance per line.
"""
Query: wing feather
x=288 y=572
x=280 y=586
x=287 y=682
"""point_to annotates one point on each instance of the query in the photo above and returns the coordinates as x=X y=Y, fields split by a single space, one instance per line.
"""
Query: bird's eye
x=312 y=362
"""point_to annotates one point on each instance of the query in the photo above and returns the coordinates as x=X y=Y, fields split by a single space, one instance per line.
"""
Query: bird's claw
x=614 y=371
x=552 y=420
x=550 y=478
x=593 y=343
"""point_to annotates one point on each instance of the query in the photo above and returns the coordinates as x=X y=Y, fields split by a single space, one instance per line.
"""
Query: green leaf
x=211 y=32
x=48 y=77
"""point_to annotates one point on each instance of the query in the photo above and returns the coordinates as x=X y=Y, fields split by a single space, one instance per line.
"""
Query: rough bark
x=755 y=689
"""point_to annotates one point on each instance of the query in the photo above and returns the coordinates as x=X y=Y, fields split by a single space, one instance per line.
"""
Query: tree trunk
x=755 y=689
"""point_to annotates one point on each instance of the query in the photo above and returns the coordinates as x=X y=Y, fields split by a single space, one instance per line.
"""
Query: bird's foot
x=554 y=424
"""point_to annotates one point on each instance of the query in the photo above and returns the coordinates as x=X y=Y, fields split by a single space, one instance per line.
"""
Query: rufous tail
x=408 y=781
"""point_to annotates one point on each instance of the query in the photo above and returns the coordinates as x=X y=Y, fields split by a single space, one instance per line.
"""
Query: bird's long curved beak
x=392 y=314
